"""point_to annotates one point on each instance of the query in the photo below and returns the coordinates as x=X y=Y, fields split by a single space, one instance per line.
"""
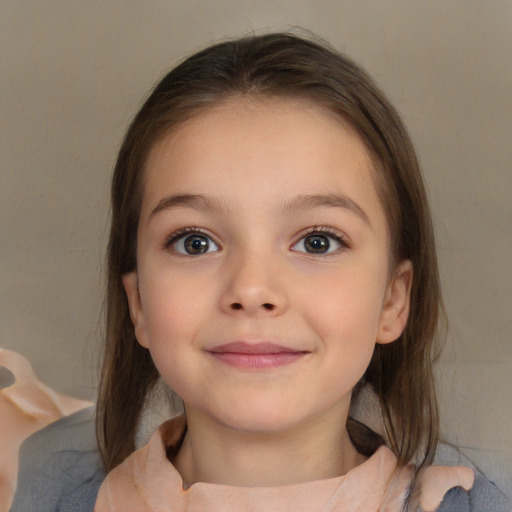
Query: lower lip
x=258 y=361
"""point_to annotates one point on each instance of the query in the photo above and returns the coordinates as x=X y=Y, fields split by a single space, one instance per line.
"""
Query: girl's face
x=262 y=283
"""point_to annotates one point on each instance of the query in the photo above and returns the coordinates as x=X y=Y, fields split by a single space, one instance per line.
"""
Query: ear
x=395 y=308
x=131 y=287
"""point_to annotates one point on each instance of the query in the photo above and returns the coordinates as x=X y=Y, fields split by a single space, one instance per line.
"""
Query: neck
x=315 y=450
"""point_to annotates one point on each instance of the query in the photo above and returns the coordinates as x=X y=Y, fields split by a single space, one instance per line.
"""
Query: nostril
x=237 y=306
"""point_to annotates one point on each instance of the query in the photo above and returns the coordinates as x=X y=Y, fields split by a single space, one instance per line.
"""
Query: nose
x=254 y=286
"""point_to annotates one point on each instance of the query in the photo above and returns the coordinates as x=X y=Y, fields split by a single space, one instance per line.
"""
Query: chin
x=251 y=418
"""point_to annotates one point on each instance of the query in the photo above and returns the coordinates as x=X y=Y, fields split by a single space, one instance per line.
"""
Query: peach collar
x=147 y=481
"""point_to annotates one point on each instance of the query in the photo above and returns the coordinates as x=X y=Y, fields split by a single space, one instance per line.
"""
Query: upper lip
x=241 y=347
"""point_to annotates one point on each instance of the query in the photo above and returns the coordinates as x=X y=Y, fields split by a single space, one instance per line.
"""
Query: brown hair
x=281 y=65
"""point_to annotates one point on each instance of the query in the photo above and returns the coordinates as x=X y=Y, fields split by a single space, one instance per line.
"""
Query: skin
x=258 y=282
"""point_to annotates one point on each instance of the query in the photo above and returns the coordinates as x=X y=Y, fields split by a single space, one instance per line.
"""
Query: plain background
x=74 y=73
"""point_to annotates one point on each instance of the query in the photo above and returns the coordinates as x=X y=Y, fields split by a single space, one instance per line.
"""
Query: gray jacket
x=60 y=471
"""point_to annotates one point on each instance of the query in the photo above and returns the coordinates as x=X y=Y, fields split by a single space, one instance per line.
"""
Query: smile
x=257 y=356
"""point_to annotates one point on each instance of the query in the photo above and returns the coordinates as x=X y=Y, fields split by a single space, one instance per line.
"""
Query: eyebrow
x=297 y=203
x=195 y=201
x=309 y=201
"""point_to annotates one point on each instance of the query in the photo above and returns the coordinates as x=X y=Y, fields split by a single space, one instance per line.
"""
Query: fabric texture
x=26 y=405
x=60 y=467
x=61 y=472
x=483 y=497
x=148 y=482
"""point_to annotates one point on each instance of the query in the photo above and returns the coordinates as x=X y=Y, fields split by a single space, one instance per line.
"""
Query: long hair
x=287 y=66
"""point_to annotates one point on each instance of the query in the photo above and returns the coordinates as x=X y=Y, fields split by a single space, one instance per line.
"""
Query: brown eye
x=194 y=245
x=319 y=243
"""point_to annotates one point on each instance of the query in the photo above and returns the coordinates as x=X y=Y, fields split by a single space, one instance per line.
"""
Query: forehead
x=248 y=150
x=253 y=122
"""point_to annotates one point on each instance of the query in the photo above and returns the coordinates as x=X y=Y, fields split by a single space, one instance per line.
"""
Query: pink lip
x=255 y=356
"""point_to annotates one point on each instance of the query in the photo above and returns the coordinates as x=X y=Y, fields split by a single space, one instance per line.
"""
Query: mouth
x=256 y=356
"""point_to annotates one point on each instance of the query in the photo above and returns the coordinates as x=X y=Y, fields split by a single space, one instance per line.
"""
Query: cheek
x=347 y=305
x=344 y=312
x=173 y=305
x=173 y=314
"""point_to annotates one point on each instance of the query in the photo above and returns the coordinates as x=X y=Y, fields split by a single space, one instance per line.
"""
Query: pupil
x=196 y=244
x=317 y=243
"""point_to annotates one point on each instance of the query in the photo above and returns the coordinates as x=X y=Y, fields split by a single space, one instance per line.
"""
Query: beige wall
x=73 y=73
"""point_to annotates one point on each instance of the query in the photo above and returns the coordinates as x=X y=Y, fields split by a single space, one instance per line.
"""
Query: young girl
x=271 y=255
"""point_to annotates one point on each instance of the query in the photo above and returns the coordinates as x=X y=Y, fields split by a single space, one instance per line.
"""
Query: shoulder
x=60 y=467
x=483 y=496
x=146 y=478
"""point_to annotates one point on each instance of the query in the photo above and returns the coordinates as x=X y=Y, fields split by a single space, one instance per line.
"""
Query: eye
x=319 y=242
x=192 y=244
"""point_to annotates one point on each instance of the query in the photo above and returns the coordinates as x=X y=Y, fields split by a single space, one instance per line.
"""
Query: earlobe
x=131 y=287
x=395 y=309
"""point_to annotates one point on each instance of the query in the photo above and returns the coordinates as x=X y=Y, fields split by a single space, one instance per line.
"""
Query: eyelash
x=327 y=231
x=323 y=230
x=181 y=233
